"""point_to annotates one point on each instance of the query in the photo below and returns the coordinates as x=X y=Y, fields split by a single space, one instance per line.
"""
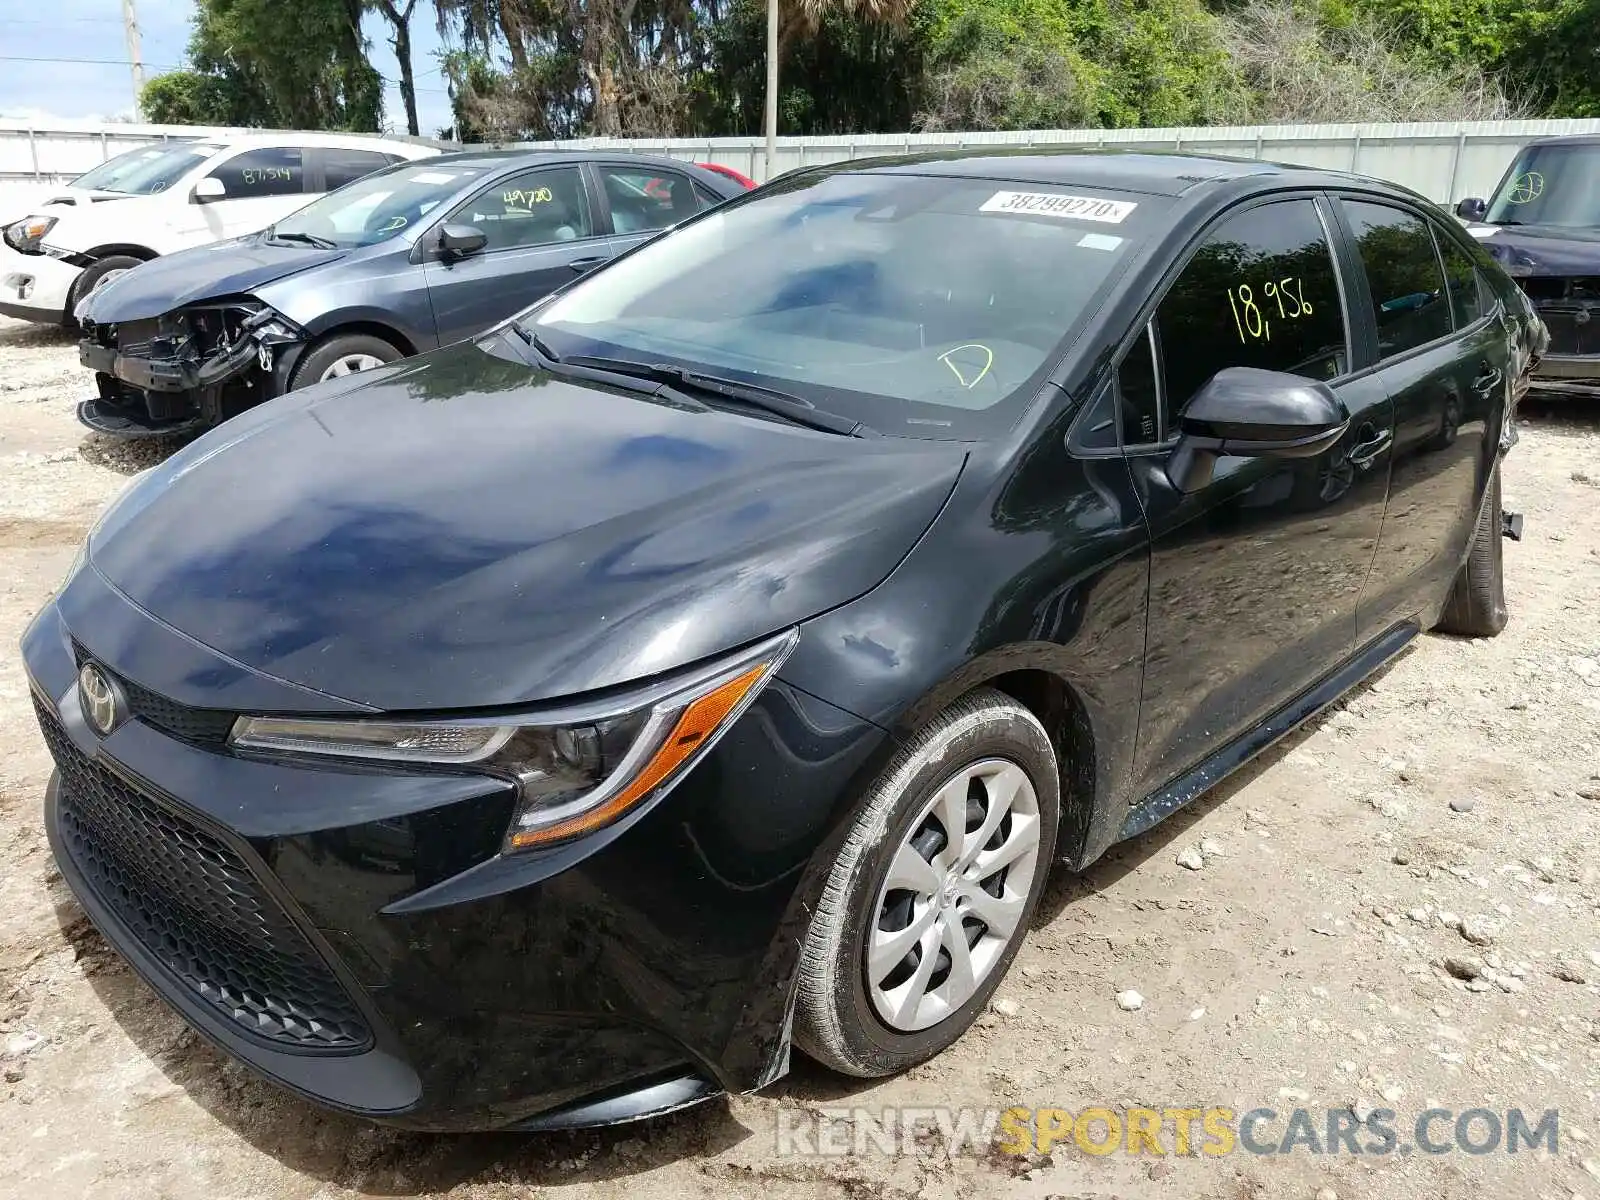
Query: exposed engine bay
x=184 y=370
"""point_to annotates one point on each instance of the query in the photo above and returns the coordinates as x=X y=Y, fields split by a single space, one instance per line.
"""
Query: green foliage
x=851 y=76
x=297 y=64
x=1018 y=64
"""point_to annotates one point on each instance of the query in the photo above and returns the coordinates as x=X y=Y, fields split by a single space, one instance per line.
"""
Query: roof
x=499 y=157
x=1155 y=173
x=345 y=141
x=1574 y=139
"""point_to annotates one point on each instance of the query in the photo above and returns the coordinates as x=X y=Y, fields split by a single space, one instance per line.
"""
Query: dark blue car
x=402 y=261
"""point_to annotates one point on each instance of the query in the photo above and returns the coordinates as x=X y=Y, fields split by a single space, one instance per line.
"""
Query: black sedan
x=556 y=728
x=403 y=260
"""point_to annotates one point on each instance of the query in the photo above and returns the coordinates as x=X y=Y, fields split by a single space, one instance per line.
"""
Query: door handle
x=1364 y=454
x=587 y=264
x=1488 y=379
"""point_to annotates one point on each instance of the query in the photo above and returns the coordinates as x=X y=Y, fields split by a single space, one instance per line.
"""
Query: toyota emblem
x=99 y=699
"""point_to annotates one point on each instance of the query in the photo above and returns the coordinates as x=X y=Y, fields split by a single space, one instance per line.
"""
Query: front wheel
x=1477 y=603
x=343 y=354
x=930 y=897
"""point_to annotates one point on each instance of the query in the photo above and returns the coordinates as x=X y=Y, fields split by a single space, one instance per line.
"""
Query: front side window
x=920 y=305
x=534 y=208
x=642 y=200
x=272 y=171
x=1261 y=291
x=1403 y=273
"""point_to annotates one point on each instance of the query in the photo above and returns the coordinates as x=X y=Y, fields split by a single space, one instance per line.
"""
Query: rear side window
x=1261 y=291
x=278 y=171
x=1408 y=289
x=1468 y=298
x=340 y=167
x=644 y=200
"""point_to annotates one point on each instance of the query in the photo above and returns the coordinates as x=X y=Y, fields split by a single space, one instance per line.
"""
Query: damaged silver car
x=401 y=261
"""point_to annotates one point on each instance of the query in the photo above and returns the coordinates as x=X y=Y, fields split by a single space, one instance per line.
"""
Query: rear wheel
x=343 y=354
x=930 y=897
x=1477 y=603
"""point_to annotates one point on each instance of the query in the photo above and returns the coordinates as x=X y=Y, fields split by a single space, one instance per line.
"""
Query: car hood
x=1532 y=250
x=202 y=273
x=462 y=530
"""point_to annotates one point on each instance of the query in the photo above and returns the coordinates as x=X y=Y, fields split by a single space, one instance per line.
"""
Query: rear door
x=335 y=166
x=542 y=232
x=1444 y=359
x=1255 y=579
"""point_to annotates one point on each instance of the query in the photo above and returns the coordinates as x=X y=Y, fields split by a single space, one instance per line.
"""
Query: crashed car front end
x=185 y=370
x=1569 y=306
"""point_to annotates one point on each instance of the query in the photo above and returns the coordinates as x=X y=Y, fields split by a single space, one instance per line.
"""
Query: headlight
x=25 y=235
x=578 y=768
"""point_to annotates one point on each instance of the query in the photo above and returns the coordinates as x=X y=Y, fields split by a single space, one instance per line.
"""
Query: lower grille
x=193 y=902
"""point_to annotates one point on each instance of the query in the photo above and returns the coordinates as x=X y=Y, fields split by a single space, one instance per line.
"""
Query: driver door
x=1255 y=577
x=542 y=233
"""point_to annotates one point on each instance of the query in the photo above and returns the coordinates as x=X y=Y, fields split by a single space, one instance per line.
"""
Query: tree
x=399 y=18
x=297 y=64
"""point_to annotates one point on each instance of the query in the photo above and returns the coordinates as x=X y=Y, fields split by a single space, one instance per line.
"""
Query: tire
x=838 y=1020
x=1477 y=603
x=341 y=348
x=99 y=272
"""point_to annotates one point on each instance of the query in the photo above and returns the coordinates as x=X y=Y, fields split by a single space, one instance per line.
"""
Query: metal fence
x=1443 y=160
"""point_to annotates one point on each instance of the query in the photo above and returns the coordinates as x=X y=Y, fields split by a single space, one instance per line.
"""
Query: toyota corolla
x=560 y=727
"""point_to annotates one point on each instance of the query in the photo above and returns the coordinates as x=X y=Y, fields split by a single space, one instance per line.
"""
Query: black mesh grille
x=193 y=902
x=1572 y=331
x=203 y=726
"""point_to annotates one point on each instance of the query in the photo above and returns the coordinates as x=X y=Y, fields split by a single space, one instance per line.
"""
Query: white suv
x=184 y=194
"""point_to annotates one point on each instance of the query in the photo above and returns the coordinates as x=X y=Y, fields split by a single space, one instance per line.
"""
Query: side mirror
x=207 y=190
x=1473 y=208
x=458 y=241
x=1250 y=413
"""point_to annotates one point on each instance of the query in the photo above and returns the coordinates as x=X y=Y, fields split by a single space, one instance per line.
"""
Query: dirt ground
x=1300 y=966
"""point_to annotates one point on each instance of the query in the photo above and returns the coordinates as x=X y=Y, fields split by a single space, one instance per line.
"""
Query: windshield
x=148 y=170
x=110 y=173
x=378 y=206
x=1550 y=185
x=922 y=306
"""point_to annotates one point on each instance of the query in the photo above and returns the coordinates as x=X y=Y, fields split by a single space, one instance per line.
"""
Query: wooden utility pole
x=772 y=86
x=130 y=26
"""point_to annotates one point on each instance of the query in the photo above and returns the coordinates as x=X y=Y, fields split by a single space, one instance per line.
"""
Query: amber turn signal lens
x=694 y=726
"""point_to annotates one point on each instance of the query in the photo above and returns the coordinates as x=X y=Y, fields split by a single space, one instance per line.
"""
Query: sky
x=83 y=59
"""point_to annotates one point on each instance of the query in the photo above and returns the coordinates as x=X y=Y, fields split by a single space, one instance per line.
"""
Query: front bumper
x=638 y=970
x=164 y=386
x=1577 y=374
x=35 y=287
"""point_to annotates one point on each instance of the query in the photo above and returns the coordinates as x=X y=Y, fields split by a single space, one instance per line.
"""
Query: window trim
x=1379 y=363
x=430 y=251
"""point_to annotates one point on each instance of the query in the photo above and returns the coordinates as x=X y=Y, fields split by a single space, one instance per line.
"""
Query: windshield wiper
x=527 y=334
x=769 y=400
x=307 y=239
